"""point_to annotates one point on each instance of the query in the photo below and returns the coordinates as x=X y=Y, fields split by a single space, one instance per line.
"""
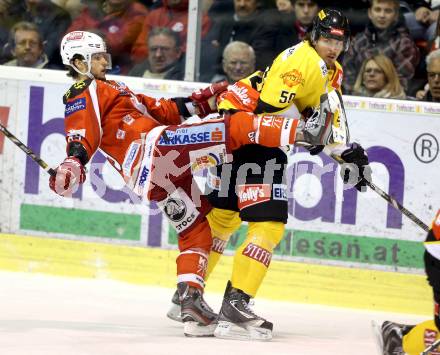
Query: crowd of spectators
x=394 y=49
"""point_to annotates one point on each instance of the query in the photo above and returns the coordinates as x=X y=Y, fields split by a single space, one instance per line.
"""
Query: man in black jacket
x=252 y=24
x=52 y=22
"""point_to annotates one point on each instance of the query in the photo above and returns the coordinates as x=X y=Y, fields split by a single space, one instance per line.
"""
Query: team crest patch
x=293 y=78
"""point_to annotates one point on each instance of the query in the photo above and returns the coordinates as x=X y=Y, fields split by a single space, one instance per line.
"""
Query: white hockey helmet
x=85 y=44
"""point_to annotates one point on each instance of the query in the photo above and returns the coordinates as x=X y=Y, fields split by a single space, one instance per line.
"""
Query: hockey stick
x=390 y=199
x=27 y=150
x=340 y=134
x=431 y=347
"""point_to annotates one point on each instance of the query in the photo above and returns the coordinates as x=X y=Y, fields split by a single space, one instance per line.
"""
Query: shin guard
x=223 y=224
x=253 y=257
x=192 y=261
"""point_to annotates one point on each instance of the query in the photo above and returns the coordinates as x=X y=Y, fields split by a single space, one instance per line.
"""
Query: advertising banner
x=328 y=223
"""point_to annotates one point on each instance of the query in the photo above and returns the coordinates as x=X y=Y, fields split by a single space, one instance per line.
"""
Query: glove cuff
x=185 y=106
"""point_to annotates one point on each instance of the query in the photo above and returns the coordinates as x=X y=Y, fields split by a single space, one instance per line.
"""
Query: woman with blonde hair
x=378 y=78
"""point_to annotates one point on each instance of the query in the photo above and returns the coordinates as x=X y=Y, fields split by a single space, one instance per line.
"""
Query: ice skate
x=175 y=308
x=391 y=335
x=198 y=318
x=238 y=321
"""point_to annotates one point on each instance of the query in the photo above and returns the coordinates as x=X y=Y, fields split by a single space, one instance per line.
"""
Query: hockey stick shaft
x=390 y=199
x=27 y=150
x=432 y=347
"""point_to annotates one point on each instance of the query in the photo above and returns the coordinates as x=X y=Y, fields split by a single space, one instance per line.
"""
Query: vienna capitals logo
x=293 y=78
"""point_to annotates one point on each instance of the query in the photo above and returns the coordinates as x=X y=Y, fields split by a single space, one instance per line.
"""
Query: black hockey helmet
x=331 y=23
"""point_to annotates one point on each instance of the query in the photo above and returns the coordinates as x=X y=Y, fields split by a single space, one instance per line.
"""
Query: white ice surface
x=46 y=315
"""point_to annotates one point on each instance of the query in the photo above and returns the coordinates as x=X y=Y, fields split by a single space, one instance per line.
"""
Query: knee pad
x=265 y=234
x=223 y=224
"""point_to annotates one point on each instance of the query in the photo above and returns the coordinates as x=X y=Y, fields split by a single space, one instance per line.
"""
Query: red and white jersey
x=109 y=116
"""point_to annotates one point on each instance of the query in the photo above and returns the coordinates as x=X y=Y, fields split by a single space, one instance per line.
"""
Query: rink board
x=337 y=242
x=327 y=223
x=286 y=281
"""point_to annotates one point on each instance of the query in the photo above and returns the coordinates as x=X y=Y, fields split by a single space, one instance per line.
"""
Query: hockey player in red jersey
x=145 y=141
x=401 y=339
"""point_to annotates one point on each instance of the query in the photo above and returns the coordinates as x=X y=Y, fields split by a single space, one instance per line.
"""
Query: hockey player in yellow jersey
x=400 y=339
x=303 y=80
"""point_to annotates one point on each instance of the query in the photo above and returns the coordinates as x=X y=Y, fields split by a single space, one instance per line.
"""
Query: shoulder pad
x=76 y=89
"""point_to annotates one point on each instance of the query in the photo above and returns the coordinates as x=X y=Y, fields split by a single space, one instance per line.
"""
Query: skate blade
x=228 y=330
x=174 y=313
x=195 y=329
x=377 y=332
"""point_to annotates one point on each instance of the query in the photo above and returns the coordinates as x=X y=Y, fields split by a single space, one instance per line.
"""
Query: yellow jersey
x=294 y=82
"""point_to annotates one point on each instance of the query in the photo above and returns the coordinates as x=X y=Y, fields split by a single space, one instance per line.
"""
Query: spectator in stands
x=421 y=20
x=378 y=78
x=252 y=24
x=284 y=6
x=356 y=12
x=433 y=68
x=52 y=22
x=165 y=59
x=27 y=46
x=10 y=13
x=119 y=22
x=73 y=7
x=238 y=62
x=435 y=43
x=383 y=34
x=295 y=26
x=174 y=15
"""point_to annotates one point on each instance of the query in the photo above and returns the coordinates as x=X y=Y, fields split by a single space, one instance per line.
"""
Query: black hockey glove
x=315 y=149
x=356 y=169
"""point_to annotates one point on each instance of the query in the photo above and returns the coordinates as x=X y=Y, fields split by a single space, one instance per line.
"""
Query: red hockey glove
x=69 y=174
x=204 y=100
